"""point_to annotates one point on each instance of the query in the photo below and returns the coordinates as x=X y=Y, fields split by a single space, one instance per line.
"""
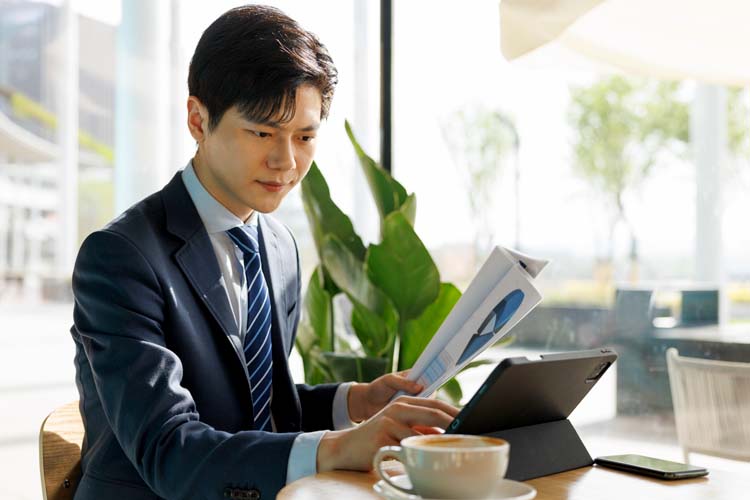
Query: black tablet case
x=527 y=403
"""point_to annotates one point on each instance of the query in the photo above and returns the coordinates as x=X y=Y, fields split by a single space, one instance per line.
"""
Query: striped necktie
x=257 y=344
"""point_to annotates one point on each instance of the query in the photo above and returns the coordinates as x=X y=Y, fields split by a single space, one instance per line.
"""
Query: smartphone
x=655 y=467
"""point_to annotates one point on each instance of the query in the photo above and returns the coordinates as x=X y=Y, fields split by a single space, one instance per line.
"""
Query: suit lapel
x=274 y=274
x=197 y=262
x=193 y=261
x=196 y=259
x=285 y=404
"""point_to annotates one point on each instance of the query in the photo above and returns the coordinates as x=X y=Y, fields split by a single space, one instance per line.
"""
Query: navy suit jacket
x=164 y=393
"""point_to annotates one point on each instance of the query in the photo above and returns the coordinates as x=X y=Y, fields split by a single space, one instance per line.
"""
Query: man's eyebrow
x=310 y=128
x=274 y=124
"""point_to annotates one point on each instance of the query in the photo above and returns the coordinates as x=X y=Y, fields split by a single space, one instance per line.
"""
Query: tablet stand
x=543 y=449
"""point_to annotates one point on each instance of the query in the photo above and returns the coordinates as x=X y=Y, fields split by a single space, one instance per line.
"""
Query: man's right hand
x=354 y=449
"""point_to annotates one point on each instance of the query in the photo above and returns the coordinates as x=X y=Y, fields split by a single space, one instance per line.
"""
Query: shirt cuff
x=303 y=457
x=341 y=419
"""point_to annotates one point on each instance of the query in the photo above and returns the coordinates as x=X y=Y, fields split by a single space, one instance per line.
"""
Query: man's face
x=250 y=166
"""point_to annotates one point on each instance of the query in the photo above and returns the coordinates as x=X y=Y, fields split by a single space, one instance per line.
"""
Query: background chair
x=60 y=440
x=711 y=405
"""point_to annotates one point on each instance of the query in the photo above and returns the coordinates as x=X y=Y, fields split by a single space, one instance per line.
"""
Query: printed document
x=499 y=296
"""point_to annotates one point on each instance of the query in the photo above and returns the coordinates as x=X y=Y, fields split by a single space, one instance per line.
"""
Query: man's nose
x=282 y=156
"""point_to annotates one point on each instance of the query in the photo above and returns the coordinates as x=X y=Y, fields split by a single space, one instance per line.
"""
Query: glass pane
x=129 y=63
x=597 y=171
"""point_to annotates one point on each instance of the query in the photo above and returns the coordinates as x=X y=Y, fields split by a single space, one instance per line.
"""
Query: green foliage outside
x=95 y=205
x=623 y=128
x=479 y=139
x=25 y=107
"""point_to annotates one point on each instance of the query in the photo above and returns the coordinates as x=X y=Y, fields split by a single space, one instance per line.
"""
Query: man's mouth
x=273 y=186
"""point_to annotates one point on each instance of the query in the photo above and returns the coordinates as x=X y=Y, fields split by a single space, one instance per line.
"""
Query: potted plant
x=393 y=289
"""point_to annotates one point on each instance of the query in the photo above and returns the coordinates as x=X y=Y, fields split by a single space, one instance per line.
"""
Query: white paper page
x=493 y=269
x=476 y=303
x=532 y=265
x=512 y=299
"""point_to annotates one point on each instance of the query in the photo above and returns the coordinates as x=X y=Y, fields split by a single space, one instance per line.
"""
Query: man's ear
x=197 y=118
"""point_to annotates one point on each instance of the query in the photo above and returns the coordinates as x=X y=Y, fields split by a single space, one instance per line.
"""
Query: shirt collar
x=215 y=216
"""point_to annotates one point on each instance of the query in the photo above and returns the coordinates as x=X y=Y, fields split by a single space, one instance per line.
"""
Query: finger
x=399 y=431
x=413 y=415
x=394 y=432
x=398 y=383
x=431 y=403
x=427 y=430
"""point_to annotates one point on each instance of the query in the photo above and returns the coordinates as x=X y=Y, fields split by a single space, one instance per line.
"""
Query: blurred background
x=632 y=179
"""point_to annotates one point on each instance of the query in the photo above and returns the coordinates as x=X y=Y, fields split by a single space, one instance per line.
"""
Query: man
x=187 y=304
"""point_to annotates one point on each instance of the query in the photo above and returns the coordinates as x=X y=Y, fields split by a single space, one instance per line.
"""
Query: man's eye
x=307 y=138
x=260 y=134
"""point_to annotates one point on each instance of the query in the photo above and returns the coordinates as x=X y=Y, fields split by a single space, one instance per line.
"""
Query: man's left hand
x=365 y=400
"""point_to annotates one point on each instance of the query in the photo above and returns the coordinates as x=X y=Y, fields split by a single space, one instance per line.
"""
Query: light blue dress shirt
x=218 y=219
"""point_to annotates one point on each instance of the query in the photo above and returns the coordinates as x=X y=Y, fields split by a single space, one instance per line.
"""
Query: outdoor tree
x=479 y=141
x=738 y=126
x=624 y=127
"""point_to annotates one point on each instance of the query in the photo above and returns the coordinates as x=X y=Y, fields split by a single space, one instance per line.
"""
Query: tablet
x=521 y=392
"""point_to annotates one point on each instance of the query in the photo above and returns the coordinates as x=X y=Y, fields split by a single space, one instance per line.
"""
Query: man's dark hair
x=255 y=57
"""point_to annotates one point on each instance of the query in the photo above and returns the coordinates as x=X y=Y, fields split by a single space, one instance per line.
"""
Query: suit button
x=254 y=495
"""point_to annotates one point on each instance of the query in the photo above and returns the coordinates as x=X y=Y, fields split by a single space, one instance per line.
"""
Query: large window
x=598 y=171
x=126 y=123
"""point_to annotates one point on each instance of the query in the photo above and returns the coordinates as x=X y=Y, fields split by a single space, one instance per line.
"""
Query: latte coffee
x=448 y=465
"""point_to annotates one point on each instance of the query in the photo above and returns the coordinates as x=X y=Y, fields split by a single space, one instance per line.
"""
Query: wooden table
x=587 y=483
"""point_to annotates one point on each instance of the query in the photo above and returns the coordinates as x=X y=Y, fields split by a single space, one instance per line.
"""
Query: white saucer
x=506 y=489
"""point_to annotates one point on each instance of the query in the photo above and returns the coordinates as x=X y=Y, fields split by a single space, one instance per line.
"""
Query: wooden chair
x=711 y=405
x=60 y=440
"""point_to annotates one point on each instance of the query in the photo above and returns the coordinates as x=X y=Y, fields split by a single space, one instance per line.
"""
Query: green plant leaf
x=418 y=332
x=315 y=331
x=452 y=391
x=389 y=194
x=349 y=275
x=305 y=342
x=402 y=267
x=318 y=316
x=480 y=362
x=355 y=368
x=409 y=208
x=326 y=217
x=317 y=370
x=376 y=332
x=505 y=341
x=374 y=317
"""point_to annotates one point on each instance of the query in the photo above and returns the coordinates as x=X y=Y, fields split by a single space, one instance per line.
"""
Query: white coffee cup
x=448 y=465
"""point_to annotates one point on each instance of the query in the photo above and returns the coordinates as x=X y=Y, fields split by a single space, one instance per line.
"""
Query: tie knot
x=246 y=238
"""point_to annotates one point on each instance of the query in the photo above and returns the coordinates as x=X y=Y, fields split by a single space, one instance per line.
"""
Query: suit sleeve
x=119 y=315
